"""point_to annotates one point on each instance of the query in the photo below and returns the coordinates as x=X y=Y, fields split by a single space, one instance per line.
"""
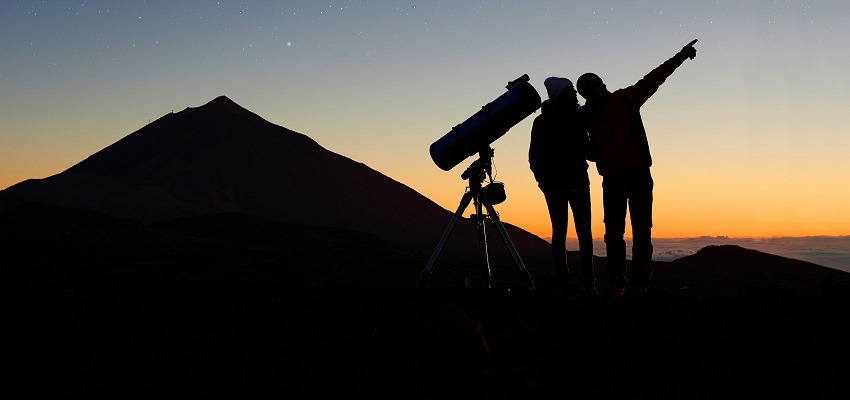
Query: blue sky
x=749 y=139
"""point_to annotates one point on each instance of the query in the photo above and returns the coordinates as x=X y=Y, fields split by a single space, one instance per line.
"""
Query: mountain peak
x=223 y=103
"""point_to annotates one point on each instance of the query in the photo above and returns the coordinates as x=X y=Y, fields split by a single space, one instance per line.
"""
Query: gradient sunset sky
x=748 y=139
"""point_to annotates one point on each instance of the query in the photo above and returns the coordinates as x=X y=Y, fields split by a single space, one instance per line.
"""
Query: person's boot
x=562 y=269
x=641 y=265
x=588 y=275
x=616 y=250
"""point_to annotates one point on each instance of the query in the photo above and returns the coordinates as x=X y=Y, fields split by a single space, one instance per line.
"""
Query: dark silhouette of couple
x=607 y=130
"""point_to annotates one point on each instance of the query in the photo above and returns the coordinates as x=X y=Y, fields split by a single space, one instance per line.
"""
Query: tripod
x=475 y=174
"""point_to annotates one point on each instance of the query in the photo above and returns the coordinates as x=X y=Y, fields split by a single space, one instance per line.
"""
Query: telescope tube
x=487 y=125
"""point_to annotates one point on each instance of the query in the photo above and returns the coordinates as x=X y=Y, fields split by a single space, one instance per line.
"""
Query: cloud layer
x=828 y=251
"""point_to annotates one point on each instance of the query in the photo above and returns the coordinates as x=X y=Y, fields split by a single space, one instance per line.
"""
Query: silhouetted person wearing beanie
x=557 y=156
x=618 y=140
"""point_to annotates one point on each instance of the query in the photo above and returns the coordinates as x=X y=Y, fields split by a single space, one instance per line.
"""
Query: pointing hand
x=689 y=50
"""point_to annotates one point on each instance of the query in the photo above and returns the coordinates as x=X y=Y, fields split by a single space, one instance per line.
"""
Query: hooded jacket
x=617 y=134
x=559 y=146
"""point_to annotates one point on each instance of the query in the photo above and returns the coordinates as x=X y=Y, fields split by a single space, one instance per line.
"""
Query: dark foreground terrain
x=229 y=304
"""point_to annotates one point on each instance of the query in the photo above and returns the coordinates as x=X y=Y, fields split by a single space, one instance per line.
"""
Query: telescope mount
x=477 y=172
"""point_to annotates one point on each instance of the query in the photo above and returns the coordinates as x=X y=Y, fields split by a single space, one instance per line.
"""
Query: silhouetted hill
x=80 y=237
x=733 y=269
x=82 y=245
x=222 y=158
x=212 y=252
x=237 y=304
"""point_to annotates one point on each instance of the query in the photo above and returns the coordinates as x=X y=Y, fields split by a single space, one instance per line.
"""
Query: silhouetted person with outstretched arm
x=618 y=140
x=557 y=155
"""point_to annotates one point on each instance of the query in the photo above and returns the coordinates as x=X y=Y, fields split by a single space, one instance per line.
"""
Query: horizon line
x=723 y=237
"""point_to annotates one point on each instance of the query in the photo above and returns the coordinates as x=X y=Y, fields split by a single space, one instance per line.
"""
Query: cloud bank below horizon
x=827 y=251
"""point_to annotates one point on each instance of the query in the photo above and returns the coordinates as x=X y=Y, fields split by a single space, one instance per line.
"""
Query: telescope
x=488 y=124
x=474 y=136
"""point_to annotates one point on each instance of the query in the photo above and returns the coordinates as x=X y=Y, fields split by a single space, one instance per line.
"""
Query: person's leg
x=640 y=210
x=556 y=201
x=580 y=203
x=614 y=208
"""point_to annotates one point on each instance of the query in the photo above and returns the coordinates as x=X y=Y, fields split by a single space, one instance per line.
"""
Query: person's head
x=560 y=88
x=591 y=87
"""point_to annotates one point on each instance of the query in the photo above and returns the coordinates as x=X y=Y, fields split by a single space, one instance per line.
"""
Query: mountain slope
x=733 y=269
x=221 y=157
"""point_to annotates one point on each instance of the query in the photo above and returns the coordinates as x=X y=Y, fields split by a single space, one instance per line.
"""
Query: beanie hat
x=584 y=81
x=555 y=85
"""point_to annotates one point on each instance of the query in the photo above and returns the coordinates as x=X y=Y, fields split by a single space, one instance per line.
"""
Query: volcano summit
x=222 y=158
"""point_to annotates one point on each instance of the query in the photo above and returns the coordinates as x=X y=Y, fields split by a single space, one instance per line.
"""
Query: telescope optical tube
x=487 y=125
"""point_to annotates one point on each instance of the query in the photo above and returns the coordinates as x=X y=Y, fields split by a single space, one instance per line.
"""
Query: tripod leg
x=482 y=245
x=426 y=273
x=526 y=276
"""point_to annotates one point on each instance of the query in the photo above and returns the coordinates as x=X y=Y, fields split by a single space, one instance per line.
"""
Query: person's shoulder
x=623 y=94
x=540 y=118
x=623 y=91
x=539 y=122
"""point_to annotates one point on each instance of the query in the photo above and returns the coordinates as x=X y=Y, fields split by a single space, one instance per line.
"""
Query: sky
x=749 y=139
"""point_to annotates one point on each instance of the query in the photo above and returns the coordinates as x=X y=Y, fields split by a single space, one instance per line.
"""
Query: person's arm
x=641 y=91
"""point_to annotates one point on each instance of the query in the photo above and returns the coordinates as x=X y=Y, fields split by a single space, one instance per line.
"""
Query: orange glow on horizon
x=681 y=210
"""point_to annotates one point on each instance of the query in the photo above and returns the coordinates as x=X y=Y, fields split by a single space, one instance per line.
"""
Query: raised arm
x=641 y=91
